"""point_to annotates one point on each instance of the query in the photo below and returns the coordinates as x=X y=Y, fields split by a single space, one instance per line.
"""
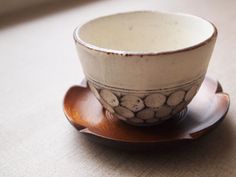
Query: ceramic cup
x=145 y=66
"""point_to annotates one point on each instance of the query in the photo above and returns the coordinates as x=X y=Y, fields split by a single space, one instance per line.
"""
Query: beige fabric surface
x=38 y=63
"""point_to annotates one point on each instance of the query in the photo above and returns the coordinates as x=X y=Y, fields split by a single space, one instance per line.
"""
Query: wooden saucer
x=86 y=114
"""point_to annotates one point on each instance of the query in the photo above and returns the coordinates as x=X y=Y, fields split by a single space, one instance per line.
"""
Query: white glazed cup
x=145 y=66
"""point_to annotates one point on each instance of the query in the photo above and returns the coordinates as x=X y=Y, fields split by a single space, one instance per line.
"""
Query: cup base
x=151 y=122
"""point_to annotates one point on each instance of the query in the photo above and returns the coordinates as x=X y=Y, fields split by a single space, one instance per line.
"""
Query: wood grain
x=207 y=109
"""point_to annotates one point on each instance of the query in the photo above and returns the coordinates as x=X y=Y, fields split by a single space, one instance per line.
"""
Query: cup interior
x=145 y=32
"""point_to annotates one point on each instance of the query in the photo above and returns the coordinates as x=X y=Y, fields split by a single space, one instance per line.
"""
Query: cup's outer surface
x=149 y=88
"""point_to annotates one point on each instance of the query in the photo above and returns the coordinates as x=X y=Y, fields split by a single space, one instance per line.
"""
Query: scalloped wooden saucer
x=86 y=114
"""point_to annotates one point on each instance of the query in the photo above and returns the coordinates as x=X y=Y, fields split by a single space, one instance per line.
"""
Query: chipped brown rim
x=89 y=46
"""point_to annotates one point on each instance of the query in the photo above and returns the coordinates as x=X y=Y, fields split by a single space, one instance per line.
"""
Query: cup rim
x=132 y=53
